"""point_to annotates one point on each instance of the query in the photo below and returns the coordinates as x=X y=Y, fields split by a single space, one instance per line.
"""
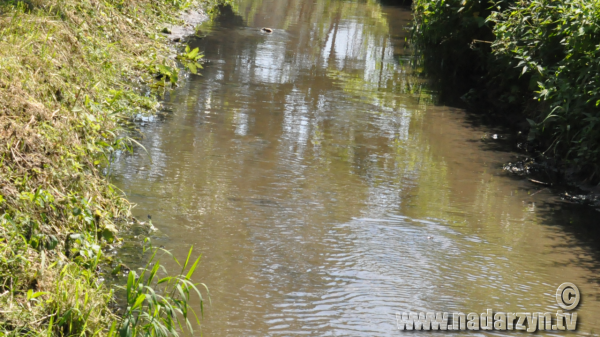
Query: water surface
x=327 y=190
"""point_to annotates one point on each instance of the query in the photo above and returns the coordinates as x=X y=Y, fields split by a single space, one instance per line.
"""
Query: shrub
x=556 y=43
x=453 y=36
x=540 y=57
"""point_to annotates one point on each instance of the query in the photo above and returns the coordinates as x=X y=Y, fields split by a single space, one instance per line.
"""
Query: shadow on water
x=328 y=191
x=396 y=3
x=227 y=17
x=579 y=222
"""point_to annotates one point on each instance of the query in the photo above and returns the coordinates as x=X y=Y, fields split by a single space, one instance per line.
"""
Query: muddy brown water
x=327 y=190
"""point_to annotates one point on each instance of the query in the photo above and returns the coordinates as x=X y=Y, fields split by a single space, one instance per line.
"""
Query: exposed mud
x=191 y=18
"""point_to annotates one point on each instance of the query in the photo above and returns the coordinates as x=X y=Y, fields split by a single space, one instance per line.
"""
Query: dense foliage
x=542 y=58
x=556 y=43
x=454 y=33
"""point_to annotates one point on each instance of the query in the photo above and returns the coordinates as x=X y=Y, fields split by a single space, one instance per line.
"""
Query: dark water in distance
x=327 y=191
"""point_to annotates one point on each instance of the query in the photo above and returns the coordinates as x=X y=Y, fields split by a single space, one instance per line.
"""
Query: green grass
x=159 y=306
x=72 y=73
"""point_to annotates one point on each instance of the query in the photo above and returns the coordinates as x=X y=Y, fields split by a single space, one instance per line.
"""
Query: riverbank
x=73 y=75
x=530 y=63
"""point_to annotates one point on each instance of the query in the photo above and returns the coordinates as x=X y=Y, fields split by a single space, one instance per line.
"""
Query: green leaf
x=109 y=233
x=153 y=273
x=117 y=269
x=166 y=279
x=191 y=271
x=51 y=242
x=31 y=295
x=50 y=325
x=138 y=302
x=130 y=282
x=187 y=260
x=39 y=293
x=111 y=331
x=125 y=330
x=192 y=55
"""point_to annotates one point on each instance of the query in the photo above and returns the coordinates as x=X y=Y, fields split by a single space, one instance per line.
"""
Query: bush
x=556 y=43
x=453 y=36
x=539 y=57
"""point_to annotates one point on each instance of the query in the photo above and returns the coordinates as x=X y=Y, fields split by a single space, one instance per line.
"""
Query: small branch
x=76 y=99
x=539 y=182
x=43 y=318
x=543 y=189
x=30 y=121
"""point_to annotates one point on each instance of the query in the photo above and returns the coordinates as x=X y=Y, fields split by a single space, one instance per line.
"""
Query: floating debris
x=521 y=167
x=583 y=199
x=539 y=182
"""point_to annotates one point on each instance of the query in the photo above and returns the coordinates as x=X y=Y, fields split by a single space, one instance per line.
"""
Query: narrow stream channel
x=327 y=190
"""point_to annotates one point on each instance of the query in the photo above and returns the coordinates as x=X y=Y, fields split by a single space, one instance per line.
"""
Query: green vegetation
x=151 y=314
x=72 y=73
x=537 y=57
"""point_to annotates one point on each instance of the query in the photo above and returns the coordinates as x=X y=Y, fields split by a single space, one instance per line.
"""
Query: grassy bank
x=72 y=73
x=537 y=60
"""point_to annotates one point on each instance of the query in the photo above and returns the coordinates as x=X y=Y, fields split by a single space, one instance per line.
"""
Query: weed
x=159 y=306
x=191 y=59
x=72 y=74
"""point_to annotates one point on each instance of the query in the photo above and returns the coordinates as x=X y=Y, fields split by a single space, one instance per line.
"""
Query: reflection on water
x=327 y=192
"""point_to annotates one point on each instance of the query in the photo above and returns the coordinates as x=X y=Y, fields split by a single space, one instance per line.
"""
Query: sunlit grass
x=72 y=73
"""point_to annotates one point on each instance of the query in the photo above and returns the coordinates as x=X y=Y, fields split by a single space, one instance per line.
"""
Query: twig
x=539 y=182
x=482 y=41
x=538 y=192
x=43 y=318
x=76 y=99
x=30 y=121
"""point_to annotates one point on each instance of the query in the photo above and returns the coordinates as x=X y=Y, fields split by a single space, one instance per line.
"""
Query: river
x=328 y=188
